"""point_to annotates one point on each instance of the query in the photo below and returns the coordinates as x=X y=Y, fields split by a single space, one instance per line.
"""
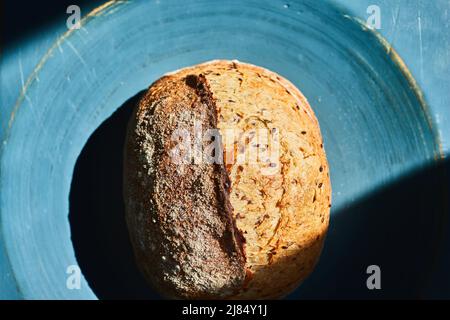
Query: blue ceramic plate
x=61 y=200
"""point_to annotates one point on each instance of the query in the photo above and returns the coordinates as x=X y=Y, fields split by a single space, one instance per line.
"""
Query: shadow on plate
x=399 y=228
x=99 y=233
x=403 y=229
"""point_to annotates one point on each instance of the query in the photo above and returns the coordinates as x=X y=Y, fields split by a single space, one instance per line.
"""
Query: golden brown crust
x=280 y=206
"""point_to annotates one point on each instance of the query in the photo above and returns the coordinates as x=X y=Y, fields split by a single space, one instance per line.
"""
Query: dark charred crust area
x=179 y=215
x=200 y=84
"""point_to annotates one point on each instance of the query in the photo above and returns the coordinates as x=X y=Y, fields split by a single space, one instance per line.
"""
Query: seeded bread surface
x=234 y=230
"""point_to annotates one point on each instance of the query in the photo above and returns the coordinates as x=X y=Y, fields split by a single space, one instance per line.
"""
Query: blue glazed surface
x=377 y=130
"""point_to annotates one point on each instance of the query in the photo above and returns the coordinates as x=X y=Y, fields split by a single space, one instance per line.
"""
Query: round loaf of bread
x=226 y=183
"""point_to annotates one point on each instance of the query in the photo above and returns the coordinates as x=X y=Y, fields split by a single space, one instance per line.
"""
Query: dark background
x=21 y=19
